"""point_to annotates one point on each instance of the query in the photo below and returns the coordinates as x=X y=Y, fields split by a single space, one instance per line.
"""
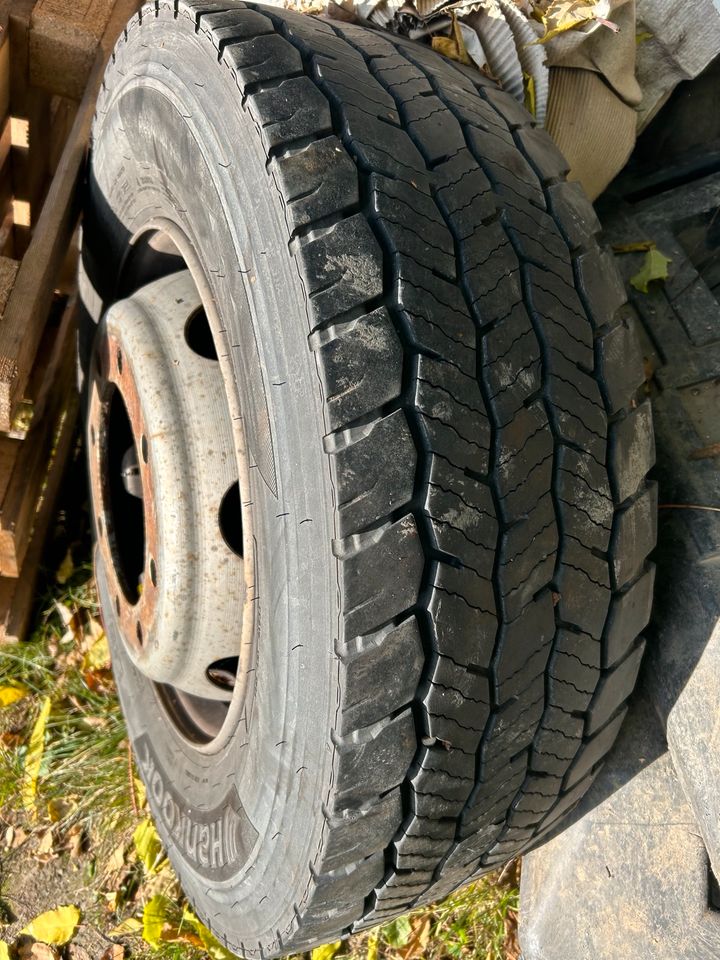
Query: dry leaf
x=97 y=656
x=114 y=952
x=45 y=852
x=116 y=860
x=54 y=926
x=11 y=693
x=655 y=267
x=419 y=939
x=42 y=951
x=127 y=928
x=33 y=758
x=326 y=952
x=148 y=846
x=66 y=568
x=563 y=15
x=453 y=47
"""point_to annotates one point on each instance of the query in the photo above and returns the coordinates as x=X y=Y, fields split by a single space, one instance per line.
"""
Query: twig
x=131 y=781
x=687 y=506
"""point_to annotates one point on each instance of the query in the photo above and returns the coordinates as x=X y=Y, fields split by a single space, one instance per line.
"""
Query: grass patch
x=77 y=839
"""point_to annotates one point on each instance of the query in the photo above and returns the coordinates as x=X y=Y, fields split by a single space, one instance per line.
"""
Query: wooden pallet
x=52 y=56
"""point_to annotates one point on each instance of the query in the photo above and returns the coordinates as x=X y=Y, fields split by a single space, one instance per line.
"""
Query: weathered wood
x=27 y=459
x=17 y=595
x=30 y=109
x=22 y=325
x=64 y=39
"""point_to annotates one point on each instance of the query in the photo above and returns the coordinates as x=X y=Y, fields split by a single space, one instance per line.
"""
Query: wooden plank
x=30 y=108
x=17 y=596
x=22 y=325
x=28 y=458
x=64 y=39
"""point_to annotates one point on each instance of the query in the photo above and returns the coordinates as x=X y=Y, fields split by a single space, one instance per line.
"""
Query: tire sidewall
x=157 y=153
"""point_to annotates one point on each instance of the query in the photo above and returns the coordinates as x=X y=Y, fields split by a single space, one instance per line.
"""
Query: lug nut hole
x=198 y=335
x=230 y=519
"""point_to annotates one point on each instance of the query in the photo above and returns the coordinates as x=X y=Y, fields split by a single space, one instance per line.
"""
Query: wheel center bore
x=165 y=491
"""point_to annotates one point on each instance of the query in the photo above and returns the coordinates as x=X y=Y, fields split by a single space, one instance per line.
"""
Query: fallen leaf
x=33 y=758
x=530 y=97
x=116 y=860
x=214 y=949
x=98 y=656
x=127 y=928
x=115 y=951
x=59 y=809
x=148 y=846
x=640 y=246
x=397 y=934
x=12 y=693
x=563 y=15
x=4 y=951
x=655 y=267
x=372 y=946
x=42 y=951
x=326 y=952
x=418 y=941
x=44 y=851
x=54 y=926
x=66 y=568
x=453 y=47
x=156 y=914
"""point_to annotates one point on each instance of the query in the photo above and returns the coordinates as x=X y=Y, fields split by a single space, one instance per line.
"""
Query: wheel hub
x=164 y=484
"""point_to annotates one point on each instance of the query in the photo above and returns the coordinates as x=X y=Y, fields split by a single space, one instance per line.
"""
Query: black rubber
x=487 y=441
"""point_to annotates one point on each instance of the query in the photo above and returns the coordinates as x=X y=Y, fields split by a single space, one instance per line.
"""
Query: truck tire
x=442 y=445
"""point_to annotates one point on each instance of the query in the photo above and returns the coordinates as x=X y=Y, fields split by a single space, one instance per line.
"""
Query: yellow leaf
x=372 y=945
x=640 y=246
x=11 y=693
x=98 y=656
x=214 y=949
x=59 y=809
x=327 y=952
x=453 y=47
x=127 y=928
x=4 y=951
x=148 y=846
x=55 y=926
x=66 y=568
x=643 y=37
x=530 y=100
x=158 y=911
x=563 y=15
x=33 y=758
x=655 y=267
x=140 y=793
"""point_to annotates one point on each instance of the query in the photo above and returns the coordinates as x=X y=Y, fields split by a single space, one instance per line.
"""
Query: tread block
x=298 y=110
x=371 y=484
x=628 y=617
x=342 y=268
x=620 y=363
x=594 y=751
x=366 y=758
x=358 y=833
x=632 y=451
x=361 y=367
x=380 y=673
x=316 y=181
x=614 y=688
x=634 y=535
x=382 y=580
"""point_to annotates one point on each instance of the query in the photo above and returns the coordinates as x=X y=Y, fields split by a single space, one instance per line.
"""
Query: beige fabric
x=591 y=125
x=610 y=54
